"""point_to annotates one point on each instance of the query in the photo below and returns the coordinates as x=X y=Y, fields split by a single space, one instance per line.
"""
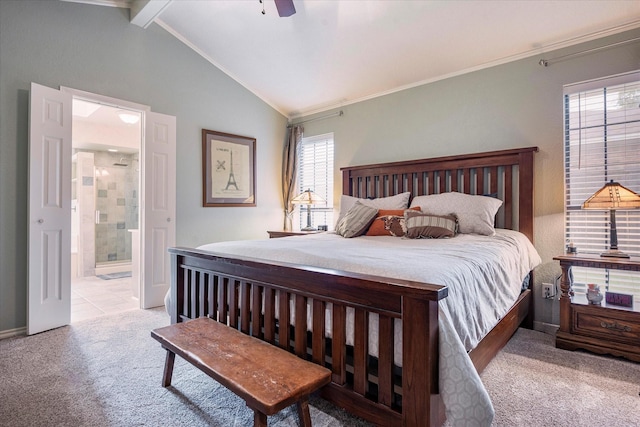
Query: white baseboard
x=547 y=328
x=12 y=332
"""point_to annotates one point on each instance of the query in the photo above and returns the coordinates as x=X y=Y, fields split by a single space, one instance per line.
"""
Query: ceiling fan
x=285 y=7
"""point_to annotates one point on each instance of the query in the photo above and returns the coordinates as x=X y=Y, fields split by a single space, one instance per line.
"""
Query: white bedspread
x=484 y=275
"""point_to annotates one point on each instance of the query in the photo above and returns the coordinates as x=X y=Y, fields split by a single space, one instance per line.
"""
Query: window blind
x=315 y=172
x=602 y=143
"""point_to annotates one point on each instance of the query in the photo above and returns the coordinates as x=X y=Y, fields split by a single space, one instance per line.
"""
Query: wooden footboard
x=257 y=298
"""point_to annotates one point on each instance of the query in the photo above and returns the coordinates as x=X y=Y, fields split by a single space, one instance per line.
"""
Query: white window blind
x=315 y=172
x=602 y=143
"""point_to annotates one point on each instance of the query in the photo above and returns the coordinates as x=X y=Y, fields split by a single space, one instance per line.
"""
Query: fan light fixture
x=308 y=198
x=613 y=196
x=129 y=117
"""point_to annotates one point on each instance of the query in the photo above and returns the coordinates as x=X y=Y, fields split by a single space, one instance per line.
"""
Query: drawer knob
x=616 y=326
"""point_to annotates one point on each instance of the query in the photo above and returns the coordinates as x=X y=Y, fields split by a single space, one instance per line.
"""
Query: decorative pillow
x=475 y=213
x=399 y=201
x=421 y=225
x=356 y=221
x=389 y=222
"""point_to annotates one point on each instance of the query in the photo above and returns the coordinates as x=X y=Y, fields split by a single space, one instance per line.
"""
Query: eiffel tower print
x=232 y=178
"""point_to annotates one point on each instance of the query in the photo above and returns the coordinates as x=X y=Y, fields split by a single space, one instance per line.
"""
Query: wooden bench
x=267 y=377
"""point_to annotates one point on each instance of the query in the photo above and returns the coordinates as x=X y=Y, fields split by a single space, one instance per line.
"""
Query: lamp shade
x=613 y=196
x=307 y=197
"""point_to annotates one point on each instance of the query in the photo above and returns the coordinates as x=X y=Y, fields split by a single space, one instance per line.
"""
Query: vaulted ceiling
x=335 y=52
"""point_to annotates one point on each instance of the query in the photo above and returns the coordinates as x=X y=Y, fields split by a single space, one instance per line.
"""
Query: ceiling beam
x=144 y=12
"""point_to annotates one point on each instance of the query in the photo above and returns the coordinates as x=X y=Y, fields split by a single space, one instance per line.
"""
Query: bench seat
x=266 y=377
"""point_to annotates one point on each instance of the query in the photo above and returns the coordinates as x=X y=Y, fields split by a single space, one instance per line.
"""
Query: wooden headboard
x=506 y=174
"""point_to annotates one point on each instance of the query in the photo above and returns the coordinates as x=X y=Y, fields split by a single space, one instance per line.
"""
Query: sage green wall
x=96 y=49
x=518 y=104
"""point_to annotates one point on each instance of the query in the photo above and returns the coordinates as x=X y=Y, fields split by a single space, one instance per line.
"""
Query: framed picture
x=228 y=169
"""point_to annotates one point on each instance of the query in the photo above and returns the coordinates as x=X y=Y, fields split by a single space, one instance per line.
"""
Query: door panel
x=49 y=282
x=159 y=187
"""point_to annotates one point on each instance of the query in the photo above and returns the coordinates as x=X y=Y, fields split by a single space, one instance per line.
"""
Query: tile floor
x=92 y=297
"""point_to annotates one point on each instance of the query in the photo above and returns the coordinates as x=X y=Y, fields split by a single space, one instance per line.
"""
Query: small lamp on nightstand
x=613 y=196
x=308 y=198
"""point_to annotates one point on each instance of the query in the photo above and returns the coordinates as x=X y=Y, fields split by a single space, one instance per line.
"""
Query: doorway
x=49 y=231
x=105 y=215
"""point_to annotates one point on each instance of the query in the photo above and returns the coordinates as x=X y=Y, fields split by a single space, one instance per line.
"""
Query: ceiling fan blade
x=285 y=7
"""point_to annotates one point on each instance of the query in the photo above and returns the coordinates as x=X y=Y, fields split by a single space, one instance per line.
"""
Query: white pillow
x=399 y=201
x=476 y=214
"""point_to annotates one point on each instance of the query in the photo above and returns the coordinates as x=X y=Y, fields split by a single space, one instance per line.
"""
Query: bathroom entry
x=105 y=213
x=50 y=202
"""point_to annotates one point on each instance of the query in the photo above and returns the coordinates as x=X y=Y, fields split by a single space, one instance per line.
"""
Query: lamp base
x=614 y=253
x=309 y=228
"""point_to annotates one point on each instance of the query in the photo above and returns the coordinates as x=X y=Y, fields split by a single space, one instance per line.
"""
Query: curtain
x=289 y=169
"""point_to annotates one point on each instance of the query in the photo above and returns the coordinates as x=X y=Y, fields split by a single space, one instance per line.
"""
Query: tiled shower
x=107 y=205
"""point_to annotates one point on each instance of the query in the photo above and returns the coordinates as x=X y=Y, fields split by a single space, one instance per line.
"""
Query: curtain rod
x=337 y=114
x=545 y=62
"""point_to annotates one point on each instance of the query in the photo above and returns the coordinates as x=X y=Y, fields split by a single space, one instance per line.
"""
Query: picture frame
x=228 y=170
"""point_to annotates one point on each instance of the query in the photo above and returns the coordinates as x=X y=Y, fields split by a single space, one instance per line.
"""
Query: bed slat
x=284 y=319
x=508 y=198
x=385 y=360
x=212 y=294
x=338 y=341
x=222 y=299
x=270 y=315
x=256 y=311
x=318 y=328
x=360 y=331
x=300 y=326
x=245 y=311
x=233 y=304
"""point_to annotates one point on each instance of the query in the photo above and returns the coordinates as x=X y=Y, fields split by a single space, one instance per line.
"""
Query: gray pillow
x=356 y=220
x=399 y=201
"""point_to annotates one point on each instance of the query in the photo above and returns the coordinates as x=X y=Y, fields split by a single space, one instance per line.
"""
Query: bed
x=328 y=311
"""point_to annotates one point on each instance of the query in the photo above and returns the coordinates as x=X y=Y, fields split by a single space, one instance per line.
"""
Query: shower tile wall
x=117 y=203
x=86 y=208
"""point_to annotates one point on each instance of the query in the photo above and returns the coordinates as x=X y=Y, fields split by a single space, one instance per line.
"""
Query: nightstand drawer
x=608 y=324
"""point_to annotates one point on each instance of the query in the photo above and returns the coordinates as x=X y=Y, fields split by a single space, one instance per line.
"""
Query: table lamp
x=308 y=198
x=613 y=196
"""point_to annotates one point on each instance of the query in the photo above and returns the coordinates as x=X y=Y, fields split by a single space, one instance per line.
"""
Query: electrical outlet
x=548 y=290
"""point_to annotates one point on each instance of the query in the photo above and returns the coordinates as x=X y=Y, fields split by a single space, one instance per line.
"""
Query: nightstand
x=282 y=233
x=604 y=328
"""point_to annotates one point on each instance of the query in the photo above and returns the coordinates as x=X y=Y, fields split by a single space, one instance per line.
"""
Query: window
x=602 y=143
x=315 y=172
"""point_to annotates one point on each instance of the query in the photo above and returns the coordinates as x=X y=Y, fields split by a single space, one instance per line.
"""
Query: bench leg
x=303 y=411
x=259 y=419
x=168 y=368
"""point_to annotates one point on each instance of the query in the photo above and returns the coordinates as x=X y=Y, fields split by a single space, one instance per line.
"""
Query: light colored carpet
x=107 y=372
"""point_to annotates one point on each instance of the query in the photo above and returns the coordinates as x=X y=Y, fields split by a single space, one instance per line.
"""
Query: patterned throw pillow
x=421 y=225
x=356 y=221
x=389 y=222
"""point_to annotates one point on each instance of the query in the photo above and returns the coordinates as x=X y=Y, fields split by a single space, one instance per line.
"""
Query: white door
x=49 y=230
x=159 y=206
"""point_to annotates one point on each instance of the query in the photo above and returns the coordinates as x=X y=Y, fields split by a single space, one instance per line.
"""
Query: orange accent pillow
x=389 y=222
